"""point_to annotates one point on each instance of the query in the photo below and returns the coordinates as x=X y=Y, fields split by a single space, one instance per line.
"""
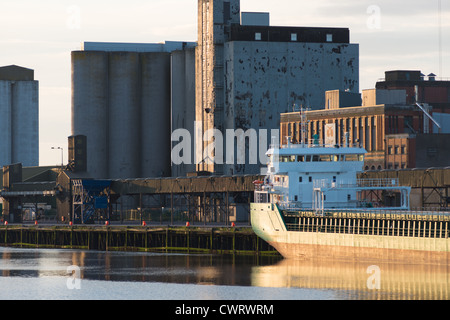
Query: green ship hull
x=357 y=236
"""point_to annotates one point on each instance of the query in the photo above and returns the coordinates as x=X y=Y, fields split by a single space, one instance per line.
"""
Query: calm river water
x=36 y=274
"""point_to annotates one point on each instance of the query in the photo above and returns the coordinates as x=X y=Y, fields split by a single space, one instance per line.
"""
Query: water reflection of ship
x=397 y=281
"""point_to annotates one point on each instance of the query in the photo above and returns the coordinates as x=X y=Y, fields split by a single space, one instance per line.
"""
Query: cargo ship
x=311 y=205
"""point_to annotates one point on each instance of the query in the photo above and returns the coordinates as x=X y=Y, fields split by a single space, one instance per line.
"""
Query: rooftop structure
x=419 y=88
x=167 y=46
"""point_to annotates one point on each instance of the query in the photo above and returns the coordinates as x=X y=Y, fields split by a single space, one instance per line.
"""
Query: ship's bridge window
x=322 y=158
x=325 y=158
x=354 y=157
x=300 y=158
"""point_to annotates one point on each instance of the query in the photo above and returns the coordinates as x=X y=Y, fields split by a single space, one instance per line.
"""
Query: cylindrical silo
x=124 y=115
x=90 y=107
x=156 y=135
x=183 y=103
x=25 y=123
x=5 y=123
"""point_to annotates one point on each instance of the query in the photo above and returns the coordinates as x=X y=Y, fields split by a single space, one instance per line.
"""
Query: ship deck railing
x=359 y=184
x=313 y=143
x=389 y=225
x=358 y=212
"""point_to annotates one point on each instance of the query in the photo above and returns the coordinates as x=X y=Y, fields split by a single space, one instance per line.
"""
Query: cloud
x=390 y=9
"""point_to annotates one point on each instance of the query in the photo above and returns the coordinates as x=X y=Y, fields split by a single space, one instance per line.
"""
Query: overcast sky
x=41 y=34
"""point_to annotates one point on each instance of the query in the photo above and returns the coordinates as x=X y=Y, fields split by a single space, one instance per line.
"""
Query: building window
x=258 y=36
x=226 y=11
x=329 y=37
x=390 y=150
x=396 y=150
x=293 y=37
x=403 y=150
x=432 y=152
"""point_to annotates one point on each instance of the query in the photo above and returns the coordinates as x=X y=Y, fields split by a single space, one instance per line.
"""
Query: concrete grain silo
x=124 y=115
x=19 y=121
x=182 y=104
x=121 y=103
x=155 y=114
x=90 y=107
x=25 y=123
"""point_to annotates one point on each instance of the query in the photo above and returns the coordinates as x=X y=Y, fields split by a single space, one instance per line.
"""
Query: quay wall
x=236 y=241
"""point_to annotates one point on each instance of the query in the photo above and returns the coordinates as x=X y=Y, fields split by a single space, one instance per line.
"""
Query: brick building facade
x=388 y=123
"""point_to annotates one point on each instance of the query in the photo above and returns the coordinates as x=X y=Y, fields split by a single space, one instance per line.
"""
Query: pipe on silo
x=155 y=115
x=124 y=115
x=90 y=107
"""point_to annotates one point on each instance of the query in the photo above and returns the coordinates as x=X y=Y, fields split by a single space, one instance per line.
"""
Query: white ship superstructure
x=318 y=176
x=311 y=204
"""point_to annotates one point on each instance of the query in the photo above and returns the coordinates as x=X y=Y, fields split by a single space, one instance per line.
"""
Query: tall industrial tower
x=249 y=72
x=215 y=18
x=19 y=123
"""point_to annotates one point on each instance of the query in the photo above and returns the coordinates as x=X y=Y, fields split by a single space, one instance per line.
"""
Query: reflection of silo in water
x=124 y=115
x=155 y=115
x=90 y=107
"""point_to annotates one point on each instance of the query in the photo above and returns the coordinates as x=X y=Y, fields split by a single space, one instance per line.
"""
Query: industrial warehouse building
x=19 y=123
x=241 y=74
